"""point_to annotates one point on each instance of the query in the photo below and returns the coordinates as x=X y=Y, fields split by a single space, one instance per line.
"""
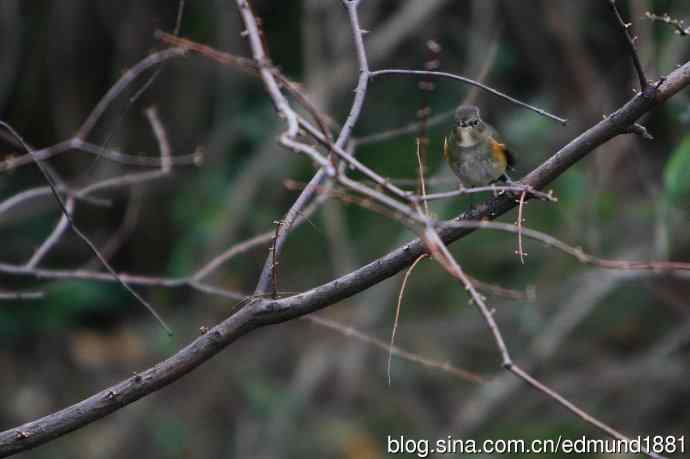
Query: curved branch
x=452 y=76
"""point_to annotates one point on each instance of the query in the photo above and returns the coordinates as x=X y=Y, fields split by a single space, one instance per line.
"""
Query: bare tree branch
x=452 y=76
x=677 y=24
x=350 y=332
x=630 y=40
x=307 y=195
x=59 y=230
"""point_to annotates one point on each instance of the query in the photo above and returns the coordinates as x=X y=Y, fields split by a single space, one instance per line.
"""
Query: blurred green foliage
x=66 y=304
x=677 y=175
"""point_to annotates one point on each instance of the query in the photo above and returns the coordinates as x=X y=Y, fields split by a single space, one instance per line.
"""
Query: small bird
x=474 y=151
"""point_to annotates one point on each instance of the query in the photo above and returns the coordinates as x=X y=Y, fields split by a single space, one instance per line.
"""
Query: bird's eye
x=474 y=122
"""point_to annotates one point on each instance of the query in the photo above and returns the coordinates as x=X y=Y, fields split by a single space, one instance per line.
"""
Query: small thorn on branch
x=677 y=24
x=640 y=130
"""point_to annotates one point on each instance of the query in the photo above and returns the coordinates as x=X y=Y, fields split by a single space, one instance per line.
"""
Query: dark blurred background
x=614 y=342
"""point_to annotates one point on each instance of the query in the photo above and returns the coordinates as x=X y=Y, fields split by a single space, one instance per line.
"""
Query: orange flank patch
x=500 y=153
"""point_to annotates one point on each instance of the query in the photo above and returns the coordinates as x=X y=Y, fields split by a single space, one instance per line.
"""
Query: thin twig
x=82 y=236
x=588 y=418
x=194 y=159
x=251 y=67
x=316 y=182
x=434 y=120
x=362 y=83
x=437 y=248
x=262 y=59
x=440 y=252
x=194 y=280
x=152 y=79
x=43 y=154
x=54 y=237
x=452 y=76
x=124 y=231
x=430 y=182
x=232 y=251
x=495 y=189
x=145 y=87
x=577 y=252
x=520 y=221
x=397 y=315
x=274 y=261
x=122 y=83
x=630 y=40
x=677 y=24
x=410 y=128
x=161 y=137
x=443 y=366
x=587 y=290
x=42 y=191
x=422 y=182
x=422 y=186
x=497 y=290
x=407 y=217
x=355 y=163
x=78 y=142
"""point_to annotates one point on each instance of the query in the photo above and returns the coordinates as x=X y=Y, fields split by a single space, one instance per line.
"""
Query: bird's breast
x=466 y=138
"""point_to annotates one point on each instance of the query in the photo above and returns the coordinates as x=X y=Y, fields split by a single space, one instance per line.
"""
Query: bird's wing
x=500 y=151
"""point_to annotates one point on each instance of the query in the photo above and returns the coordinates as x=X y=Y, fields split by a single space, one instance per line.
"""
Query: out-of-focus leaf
x=607 y=206
x=171 y=437
x=66 y=303
x=571 y=187
x=677 y=174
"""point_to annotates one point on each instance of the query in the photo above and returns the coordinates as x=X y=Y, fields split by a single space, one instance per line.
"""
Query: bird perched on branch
x=474 y=151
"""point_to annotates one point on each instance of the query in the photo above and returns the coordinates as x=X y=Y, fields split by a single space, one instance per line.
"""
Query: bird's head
x=467 y=116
